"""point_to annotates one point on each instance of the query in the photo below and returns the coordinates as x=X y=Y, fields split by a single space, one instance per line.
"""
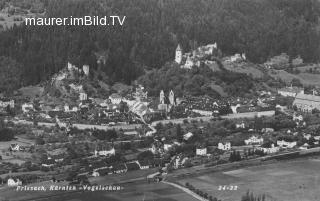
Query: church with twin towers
x=165 y=105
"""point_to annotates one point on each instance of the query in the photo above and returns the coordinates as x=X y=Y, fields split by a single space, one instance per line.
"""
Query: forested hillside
x=153 y=28
x=198 y=81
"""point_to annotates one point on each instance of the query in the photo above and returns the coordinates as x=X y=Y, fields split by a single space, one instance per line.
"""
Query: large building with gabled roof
x=307 y=102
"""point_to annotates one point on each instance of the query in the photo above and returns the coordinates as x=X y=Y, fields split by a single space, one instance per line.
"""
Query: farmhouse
x=286 y=144
x=224 y=146
x=297 y=117
x=253 y=140
x=144 y=165
x=14 y=182
x=201 y=151
x=268 y=148
x=305 y=146
x=26 y=107
x=187 y=136
x=119 y=168
x=202 y=112
x=241 y=125
x=14 y=147
x=83 y=96
x=103 y=151
x=179 y=161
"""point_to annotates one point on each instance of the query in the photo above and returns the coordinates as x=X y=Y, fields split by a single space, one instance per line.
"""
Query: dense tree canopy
x=197 y=81
x=153 y=28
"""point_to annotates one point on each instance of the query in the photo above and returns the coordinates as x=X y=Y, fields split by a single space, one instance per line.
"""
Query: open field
x=292 y=180
x=248 y=69
x=305 y=78
x=15 y=157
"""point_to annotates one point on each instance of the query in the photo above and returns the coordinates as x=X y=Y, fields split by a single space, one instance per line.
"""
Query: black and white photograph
x=159 y=100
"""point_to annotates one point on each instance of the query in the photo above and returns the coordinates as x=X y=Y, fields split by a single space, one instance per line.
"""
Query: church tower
x=171 y=98
x=161 y=97
x=178 y=57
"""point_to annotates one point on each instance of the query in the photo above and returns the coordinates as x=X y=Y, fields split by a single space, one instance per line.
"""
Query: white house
x=224 y=146
x=167 y=147
x=201 y=151
x=285 y=144
x=241 y=125
x=86 y=69
x=115 y=98
x=66 y=108
x=105 y=152
x=143 y=165
x=95 y=174
x=72 y=67
x=14 y=182
x=234 y=108
x=235 y=58
x=83 y=96
x=317 y=137
x=297 y=117
x=267 y=130
x=254 y=140
x=187 y=136
x=26 y=107
x=269 y=150
x=14 y=147
x=202 y=112
x=189 y=62
x=74 y=109
x=304 y=147
x=179 y=162
x=307 y=136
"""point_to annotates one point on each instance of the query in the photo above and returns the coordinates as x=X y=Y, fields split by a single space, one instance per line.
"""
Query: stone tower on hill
x=86 y=69
x=161 y=97
x=178 y=57
x=171 y=98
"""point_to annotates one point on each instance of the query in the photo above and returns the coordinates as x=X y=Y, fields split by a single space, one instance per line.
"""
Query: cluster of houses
x=4 y=103
x=108 y=109
x=281 y=143
x=138 y=103
x=120 y=168
x=204 y=106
